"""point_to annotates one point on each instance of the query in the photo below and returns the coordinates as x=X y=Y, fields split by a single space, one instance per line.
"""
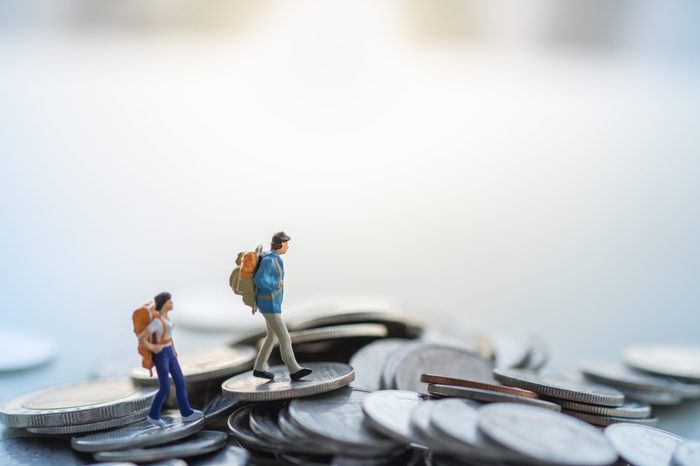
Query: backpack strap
x=163 y=340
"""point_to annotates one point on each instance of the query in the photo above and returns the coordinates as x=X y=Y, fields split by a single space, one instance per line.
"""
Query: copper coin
x=438 y=379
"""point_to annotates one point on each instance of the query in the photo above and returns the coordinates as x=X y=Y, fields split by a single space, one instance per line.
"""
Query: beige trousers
x=276 y=328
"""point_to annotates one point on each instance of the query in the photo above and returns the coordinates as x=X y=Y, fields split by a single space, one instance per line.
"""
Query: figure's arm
x=266 y=278
x=143 y=341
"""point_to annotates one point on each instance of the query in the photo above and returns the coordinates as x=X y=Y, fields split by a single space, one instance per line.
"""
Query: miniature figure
x=165 y=361
x=269 y=291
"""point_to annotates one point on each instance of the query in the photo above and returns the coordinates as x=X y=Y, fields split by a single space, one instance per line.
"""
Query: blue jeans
x=166 y=363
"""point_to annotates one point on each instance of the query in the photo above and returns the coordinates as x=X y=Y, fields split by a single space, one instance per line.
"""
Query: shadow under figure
x=160 y=331
x=269 y=291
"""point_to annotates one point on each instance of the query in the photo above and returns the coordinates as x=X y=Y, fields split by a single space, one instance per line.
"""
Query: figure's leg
x=277 y=324
x=161 y=363
x=260 y=367
x=180 y=387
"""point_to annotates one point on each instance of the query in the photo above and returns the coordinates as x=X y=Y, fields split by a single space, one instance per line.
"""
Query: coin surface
x=77 y=403
x=32 y=451
x=91 y=426
x=263 y=421
x=511 y=349
x=228 y=456
x=687 y=454
x=616 y=374
x=369 y=361
x=239 y=426
x=389 y=413
x=668 y=360
x=203 y=442
x=141 y=434
x=487 y=396
x=652 y=398
x=431 y=358
x=458 y=420
x=325 y=377
x=206 y=364
x=603 y=421
x=337 y=416
x=335 y=332
x=425 y=434
x=545 y=435
x=631 y=409
x=388 y=381
x=441 y=380
x=397 y=325
x=218 y=409
x=643 y=445
x=559 y=388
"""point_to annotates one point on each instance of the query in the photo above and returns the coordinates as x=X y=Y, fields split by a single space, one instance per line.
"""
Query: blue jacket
x=268 y=297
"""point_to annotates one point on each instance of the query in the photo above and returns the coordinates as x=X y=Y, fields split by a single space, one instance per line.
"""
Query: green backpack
x=241 y=280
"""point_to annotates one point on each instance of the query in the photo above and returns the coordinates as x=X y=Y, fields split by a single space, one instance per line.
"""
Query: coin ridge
x=489 y=396
x=90 y=427
x=563 y=393
x=451 y=381
x=160 y=452
x=601 y=410
x=604 y=421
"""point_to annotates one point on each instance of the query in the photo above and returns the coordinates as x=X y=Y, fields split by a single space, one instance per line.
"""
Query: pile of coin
x=382 y=392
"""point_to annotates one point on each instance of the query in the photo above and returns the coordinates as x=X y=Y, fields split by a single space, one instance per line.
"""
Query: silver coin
x=652 y=398
x=424 y=433
x=687 y=454
x=263 y=421
x=616 y=374
x=34 y=451
x=142 y=434
x=487 y=396
x=335 y=332
x=668 y=360
x=23 y=350
x=388 y=381
x=369 y=361
x=458 y=421
x=91 y=426
x=604 y=421
x=449 y=362
x=229 y=456
x=218 y=409
x=630 y=410
x=77 y=403
x=539 y=354
x=511 y=349
x=206 y=364
x=557 y=387
x=325 y=377
x=203 y=442
x=397 y=325
x=643 y=445
x=337 y=416
x=545 y=435
x=301 y=438
x=239 y=426
x=389 y=413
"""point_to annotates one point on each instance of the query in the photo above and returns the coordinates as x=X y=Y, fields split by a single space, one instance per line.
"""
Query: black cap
x=279 y=238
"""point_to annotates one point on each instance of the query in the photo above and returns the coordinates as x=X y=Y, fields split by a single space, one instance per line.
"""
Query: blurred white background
x=525 y=165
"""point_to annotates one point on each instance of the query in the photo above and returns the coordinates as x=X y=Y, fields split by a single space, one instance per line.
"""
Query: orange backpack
x=141 y=318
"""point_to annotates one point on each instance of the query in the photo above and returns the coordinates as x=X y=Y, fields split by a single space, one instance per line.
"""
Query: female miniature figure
x=165 y=360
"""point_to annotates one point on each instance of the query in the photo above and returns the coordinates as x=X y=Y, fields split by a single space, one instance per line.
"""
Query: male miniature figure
x=269 y=290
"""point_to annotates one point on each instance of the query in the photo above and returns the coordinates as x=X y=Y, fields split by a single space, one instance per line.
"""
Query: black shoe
x=264 y=375
x=303 y=372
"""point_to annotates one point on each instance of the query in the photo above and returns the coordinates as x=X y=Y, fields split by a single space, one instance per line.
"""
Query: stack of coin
x=78 y=407
x=596 y=404
x=640 y=386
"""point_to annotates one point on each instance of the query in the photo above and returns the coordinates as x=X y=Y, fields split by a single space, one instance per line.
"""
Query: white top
x=156 y=327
